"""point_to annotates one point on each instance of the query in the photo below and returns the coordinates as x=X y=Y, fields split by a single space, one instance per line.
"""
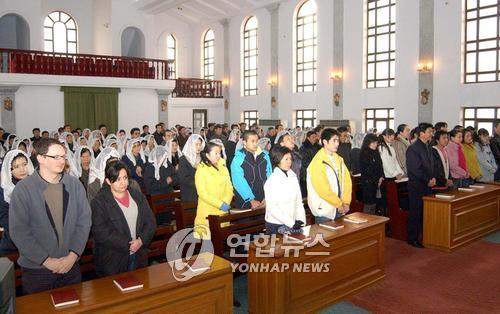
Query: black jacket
x=6 y=244
x=186 y=180
x=158 y=138
x=438 y=171
x=344 y=151
x=420 y=166
x=307 y=151
x=230 y=150
x=112 y=235
x=132 y=169
x=153 y=186
x=372 y=170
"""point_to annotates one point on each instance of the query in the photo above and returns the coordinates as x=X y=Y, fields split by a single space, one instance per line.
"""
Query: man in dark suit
x=421 y=179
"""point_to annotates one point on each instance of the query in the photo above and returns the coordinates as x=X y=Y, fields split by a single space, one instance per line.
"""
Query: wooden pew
x=209 y=292
x=399 y=217
x=162 y=203
x=185 y=215
x=221 y=227
x=356 y=205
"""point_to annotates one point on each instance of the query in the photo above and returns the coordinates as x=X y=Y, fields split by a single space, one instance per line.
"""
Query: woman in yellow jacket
x=471 y=155
x=214 y=188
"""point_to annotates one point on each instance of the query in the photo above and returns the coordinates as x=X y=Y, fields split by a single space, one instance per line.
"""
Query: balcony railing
x=197 y=88
x=41 y=62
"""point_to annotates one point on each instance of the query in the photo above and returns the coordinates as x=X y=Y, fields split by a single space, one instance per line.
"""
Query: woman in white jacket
x=284 y=207
x=392 y=170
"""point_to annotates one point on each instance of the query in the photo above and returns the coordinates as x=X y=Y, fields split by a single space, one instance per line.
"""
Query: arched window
x=306 y=46
x=133 y=43
x=172 y=55
x=14 y=32
x=60 y=33
x=209 y=55
x=250 y=53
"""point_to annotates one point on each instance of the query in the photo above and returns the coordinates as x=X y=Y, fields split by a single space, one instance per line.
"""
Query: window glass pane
x=488 y=28
x=369 y=124
x=469 y=113
x=380 y=125
x=382 y=113
x=71 y=24
x=369 y=113
x=469 y=123
x=485 y=125
x=484 y=113
x=60 y=40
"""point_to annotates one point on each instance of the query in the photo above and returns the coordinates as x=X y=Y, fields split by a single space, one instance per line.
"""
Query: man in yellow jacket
x=329 y=183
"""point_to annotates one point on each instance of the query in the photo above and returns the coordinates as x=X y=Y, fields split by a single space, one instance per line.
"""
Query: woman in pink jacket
x=458 y=163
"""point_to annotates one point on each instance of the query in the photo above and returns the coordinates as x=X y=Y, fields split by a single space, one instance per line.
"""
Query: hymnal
x=64 y=297
x=477 y=186
x=466 y=190
x=238 y=210
x=332 y=225
x=128 y=283
x=298 y=237
x=445 y=196
x=355 y=220
x=200 y=265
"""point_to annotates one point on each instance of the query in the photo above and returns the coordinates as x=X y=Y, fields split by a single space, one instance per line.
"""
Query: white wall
x=180 y=110
x=38 y=106
x=137 y=107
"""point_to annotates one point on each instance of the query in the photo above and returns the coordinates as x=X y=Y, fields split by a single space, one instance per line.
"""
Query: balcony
x=197 y=88
x=40 y=62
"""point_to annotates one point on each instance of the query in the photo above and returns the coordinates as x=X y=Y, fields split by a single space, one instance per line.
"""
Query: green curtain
x=87 y=107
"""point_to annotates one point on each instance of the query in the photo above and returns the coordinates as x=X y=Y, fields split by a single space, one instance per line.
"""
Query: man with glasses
x=49 y=221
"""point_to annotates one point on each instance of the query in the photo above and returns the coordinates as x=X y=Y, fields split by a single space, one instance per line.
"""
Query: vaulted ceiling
x=197 y=11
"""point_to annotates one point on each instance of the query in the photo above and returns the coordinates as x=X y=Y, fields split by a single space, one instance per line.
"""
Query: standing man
x=36 y=135
x=49 y=221
x=329 y=185
x=158 y=134
x=421 y=179
x=145 y=130
x=250 y=169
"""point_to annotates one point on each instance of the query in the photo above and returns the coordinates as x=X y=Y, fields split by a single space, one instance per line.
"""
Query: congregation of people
x=60 y=188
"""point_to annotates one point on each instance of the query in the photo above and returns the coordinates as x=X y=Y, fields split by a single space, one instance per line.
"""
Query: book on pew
x=298 y=237
x=445 y=196
x=332 y=225
x=238 y=210
x=127 y=283
x=466 y=189
x=64 y=297
x=475 y=186
x=200 y=266
x=355 y=220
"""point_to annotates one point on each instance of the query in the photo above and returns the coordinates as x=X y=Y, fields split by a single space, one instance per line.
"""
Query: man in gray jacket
x=49 y=221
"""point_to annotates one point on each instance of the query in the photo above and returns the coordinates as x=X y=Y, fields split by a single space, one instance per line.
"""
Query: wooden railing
x=197 y=88
x=41 y=62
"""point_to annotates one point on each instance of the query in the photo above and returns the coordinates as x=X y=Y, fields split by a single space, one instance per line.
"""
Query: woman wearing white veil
x=135 y=160
x=160 y=177
x=150 y=144
x=23 y=144
x=83 y=158
x=221 y=144
x=86 y=133
x=175 y=153
x=96 y=145
x=265 y=144
x=187 y=167
x=97 y=167
x=16 y=166
x=231 y=144
x=68 y=139
x=110 y=138
x=9 y=141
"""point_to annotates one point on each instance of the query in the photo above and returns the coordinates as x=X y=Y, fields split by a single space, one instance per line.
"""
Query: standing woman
x=372 y=172
x=214 y=187
x=401 y=144
x=150 y=144
x=485 y=156
x=458 y=165
x=96 y=145
x=392 y=170
x=123 y=224
x=187 y=167
x=284 y=206
x=135 y=160
x=175 y=153
x=83 y=158
x=16 y=166
x=160 y=177
x=470 y=155
x=97 y=171
x=233 y=139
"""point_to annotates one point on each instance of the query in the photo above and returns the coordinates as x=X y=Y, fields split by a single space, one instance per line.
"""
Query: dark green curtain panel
x=87 y=107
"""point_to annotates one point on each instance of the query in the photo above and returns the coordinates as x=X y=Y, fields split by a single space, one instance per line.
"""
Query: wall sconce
x=226 y=104
x=424 y=96
x=336 y=76
x=424 y=67
x=273 y=81
x=336 y=99
x=274 y=102
x=225 y=83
